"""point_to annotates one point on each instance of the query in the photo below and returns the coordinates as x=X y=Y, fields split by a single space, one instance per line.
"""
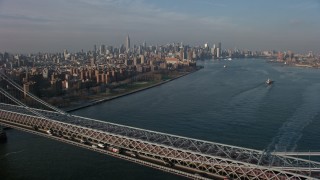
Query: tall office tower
x=181 y=45
x=142 y=59
x=144 y=45
x=181 y=54
x=194 y=54
x=206 y=46
x=102 y=49
x=127 y=43
x=94 y=49
x=220 y=50
x=212 y=51
x=65 y=53
x=122 y=49
x=140 y=49
x=110 y=49
x=94 y=55
x=185 y=53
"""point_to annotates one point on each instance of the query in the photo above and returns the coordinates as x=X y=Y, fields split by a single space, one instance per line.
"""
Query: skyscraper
x=93 y=61
x=144 y=45
x=206 y=46
x=65 y=54
x=127 y=43
x=94 y=49
x=220 y=50
x=102 y=49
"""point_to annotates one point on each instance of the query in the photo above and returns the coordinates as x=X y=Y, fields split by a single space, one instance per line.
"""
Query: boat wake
x=245 y=103
x=11 y=153
x=292 y=130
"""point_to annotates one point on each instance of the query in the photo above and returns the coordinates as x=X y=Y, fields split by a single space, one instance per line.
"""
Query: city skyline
x=52 y=26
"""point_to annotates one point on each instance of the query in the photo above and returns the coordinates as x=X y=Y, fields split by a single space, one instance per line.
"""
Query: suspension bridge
x=191 y=158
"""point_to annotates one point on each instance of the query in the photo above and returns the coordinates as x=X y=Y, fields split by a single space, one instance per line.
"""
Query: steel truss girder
x=149 y=146
x=203 y=147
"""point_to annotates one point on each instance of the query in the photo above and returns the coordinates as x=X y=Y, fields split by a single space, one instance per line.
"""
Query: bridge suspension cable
x=8 y=95
x=18 y=87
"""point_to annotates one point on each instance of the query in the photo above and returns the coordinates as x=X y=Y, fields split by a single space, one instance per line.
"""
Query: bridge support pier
x=3 y=136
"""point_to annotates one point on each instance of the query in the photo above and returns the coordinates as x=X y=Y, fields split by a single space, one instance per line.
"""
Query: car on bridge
x=100 y=145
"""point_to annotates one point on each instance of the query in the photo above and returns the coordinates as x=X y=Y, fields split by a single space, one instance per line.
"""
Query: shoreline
x=295 y=64
x=98 y=101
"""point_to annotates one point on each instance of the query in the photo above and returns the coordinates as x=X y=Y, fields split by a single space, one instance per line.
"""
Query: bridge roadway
x=175 y=154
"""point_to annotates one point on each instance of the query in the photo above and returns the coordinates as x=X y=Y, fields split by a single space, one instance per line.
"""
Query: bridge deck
x=180 y=151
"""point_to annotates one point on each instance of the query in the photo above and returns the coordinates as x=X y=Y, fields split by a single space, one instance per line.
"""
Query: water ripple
x=291 y=131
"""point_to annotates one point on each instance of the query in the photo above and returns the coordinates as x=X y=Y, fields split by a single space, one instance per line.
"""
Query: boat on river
x=269 y=81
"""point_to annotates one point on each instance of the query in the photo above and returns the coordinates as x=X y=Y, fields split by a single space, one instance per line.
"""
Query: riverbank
x=125 y=93
x=295 y=64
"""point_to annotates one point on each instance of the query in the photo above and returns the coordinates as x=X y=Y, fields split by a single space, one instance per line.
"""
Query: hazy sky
x=54 y=25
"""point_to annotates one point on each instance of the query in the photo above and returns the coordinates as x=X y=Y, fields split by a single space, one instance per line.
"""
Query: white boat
x=224 y=66
x=229 y=59
x=269 y=81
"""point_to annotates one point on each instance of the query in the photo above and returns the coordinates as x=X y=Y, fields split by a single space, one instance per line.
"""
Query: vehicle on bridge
x=49 y=132
x=132 y=154
x=114 y=149
x=100 y=145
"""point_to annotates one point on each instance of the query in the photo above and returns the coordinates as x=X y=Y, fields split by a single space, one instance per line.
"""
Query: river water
x=229 y=105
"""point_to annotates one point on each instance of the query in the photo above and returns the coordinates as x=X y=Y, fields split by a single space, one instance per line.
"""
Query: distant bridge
x=191 y=158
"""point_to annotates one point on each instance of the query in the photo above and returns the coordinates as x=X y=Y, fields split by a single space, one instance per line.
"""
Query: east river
x=231 y=105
